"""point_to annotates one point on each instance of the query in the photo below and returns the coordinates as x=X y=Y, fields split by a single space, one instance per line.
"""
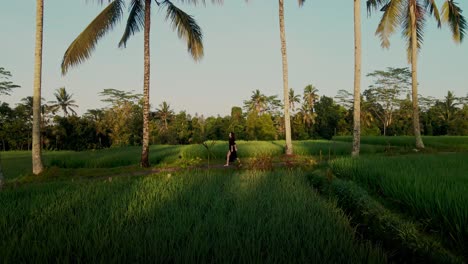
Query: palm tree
x=357 y=80
x=310 y=96
x=411 y=15
x=139 y=17
x=164 y=113
x=64 y=102
x=37 y=165
x=287 y=118
x=258 y=102
x=293 y=99
x=308 y=117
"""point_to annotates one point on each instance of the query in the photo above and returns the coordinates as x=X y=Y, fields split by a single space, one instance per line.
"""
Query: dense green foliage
x=120 y=123
x=432 y=188
x=184 y=217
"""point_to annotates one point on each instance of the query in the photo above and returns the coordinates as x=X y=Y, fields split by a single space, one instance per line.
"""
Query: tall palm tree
x=64 y=102
x=164 y=113
x=411 y=15
x=139 y=17
x=37 y=165
x=357 y=80
x=293 y=99
x=287 y=118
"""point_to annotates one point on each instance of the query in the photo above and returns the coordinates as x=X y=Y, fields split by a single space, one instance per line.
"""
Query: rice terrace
x=104 y=159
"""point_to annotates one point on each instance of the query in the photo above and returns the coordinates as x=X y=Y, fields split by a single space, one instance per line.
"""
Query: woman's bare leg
x=227 y=158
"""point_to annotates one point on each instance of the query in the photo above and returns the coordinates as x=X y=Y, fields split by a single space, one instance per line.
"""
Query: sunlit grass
x=18 y=163
x=184 y=217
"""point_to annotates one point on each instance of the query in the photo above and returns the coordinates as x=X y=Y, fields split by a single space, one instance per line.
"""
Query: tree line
x=386 y=109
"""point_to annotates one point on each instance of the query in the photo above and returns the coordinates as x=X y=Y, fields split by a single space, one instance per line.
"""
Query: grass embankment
x=208 y=216
x=398 y=235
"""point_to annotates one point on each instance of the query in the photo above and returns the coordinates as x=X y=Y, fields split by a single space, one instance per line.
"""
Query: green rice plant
x=432 y=188
x=331 y=148
x=204 y=216
x=441 y=143
x=373 y=220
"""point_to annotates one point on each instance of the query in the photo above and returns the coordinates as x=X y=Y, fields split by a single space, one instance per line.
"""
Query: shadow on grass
x=209 y=216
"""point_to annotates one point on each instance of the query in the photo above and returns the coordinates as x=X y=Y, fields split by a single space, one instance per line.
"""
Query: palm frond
x=187 y=29
x=407 y=28
x=375 y=5
x=431 y=6
x=389 y=22
x=452 y=15
x=135 y=21
x=195 y=2
x=81 y=48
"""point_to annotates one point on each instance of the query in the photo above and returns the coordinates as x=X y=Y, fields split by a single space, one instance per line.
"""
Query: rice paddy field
x=383 y=207
x=210 y=217
x=431 y=188
x=439 y=143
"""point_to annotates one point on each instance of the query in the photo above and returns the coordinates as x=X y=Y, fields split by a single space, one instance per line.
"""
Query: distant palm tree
x=310 y=96
x=411 y=15
x=37 y=165
x=164 y=113
x=64 y=102
x=293 y=99
x=308 y=117
x=258 y=102
x=139 y=18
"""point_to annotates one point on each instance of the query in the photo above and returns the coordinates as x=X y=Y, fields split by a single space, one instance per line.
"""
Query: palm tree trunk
x=146 y=85
x=357 y=80
x=414 y=79
x=287 y=119
x=37 y=165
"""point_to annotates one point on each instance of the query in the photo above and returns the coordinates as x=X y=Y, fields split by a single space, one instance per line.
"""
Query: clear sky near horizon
x=242 y=53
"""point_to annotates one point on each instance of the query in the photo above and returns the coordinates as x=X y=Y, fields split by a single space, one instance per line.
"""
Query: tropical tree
x=411 y=15
x=384 y=94
x=139 y=18
x=284 y=55
x=37 y=165
x=258 y=102
x=64 y=102
x=164 y=113
x=310 y=96
x=5 y=84
x=293 y=99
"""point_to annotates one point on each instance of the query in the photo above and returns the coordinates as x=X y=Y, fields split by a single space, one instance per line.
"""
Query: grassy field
x=432 y=188
x=17 y=163
x=209 y=216
x=440 y=143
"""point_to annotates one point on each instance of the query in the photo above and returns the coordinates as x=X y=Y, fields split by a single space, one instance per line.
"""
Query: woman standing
x=232 y=152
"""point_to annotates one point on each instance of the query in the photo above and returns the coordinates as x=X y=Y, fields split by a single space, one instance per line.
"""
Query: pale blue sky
x=242 y=53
